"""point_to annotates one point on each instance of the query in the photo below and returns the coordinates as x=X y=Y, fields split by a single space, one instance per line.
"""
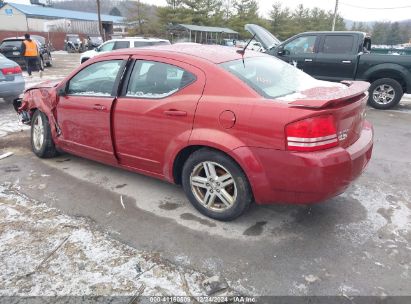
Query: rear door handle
x=175 y=113
x=99 y=107
x=346 y=61
x=308 y=60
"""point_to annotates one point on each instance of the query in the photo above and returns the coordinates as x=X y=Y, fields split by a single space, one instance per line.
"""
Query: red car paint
x=220 y=111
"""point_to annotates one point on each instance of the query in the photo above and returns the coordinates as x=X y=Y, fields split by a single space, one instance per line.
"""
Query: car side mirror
x=62 y=91
x=280 y=51
x=97 y=49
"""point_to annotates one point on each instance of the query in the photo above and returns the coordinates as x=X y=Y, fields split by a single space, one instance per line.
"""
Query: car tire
x=385 y=93
x=41 y=140
x=216 y=185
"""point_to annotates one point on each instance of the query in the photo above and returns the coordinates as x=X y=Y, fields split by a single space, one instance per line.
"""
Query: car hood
x=45 y=85
x=267 y=40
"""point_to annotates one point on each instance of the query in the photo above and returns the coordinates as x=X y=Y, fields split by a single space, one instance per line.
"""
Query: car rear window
x=270 y=77
x=10 y=44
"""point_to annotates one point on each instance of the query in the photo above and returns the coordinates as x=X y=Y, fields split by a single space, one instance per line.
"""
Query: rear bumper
x=283 y=176
x=12 y=88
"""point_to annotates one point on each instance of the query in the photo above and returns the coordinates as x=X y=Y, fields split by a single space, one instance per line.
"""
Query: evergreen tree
x=394 y=34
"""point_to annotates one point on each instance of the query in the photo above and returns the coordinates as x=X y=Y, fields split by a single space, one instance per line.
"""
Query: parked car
x=94 y=42
x=11 y=48
x=337 y=56
x=123 y=43
x=73 y=44
x=11 y=79
x=231 y=128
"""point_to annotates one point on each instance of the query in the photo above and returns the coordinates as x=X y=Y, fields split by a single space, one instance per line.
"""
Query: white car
x=123 y=43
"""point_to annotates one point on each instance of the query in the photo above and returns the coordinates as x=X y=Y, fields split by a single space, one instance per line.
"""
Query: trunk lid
x=263 y=36
x=346 y=104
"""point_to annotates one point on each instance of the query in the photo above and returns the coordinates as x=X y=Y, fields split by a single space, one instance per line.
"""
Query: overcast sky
x=346 y=8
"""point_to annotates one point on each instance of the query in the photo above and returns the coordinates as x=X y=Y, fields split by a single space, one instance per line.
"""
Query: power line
x=376 y=8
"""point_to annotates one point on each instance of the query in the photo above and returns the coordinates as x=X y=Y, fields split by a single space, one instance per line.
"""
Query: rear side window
x=338 y=44
x=152 y=79
x=121 y=45
x=97 y=79
x=149 y=43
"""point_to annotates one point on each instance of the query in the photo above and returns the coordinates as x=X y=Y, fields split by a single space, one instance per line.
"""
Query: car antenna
x=242 y=51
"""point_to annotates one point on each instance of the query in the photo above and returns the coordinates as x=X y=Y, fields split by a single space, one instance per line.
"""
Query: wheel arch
x=393 y=71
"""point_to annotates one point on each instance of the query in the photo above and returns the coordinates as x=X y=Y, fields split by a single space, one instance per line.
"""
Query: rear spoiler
x=355 y=89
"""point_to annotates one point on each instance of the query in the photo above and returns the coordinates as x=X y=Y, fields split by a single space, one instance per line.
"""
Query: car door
x=83 y=110
x=301 y=52
x=337 y=57
x=155 y=111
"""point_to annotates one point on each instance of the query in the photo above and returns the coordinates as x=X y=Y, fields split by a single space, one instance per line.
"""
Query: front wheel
x=215 y=185
x=41 y=140
x=385 y=93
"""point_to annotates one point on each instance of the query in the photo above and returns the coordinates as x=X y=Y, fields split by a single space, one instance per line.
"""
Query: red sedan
x=230 y=129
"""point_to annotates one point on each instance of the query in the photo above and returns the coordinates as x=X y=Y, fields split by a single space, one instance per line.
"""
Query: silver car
x=11 y=79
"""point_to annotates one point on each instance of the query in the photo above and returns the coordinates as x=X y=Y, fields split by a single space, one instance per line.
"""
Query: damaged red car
x=231 y=128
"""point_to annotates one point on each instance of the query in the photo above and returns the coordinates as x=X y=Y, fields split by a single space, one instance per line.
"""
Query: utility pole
x=100 y=25
x=335 y=15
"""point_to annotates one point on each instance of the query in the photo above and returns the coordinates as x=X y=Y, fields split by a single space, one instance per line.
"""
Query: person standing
x=30 y=51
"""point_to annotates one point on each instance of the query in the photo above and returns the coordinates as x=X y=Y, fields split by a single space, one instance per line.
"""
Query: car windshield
x=73 y=38
x=270 y=77
x=10 y=44
x=96 y=39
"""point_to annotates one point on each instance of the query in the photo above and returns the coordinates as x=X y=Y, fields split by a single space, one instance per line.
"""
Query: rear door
x=155 y=111
x=84 y=113
x=337 y=57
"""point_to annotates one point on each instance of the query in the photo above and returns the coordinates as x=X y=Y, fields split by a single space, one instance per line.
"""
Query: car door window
x=338 y=44
x=107 y=47
x=97 y=79
x=151 y=79
x=300 y=45
x=121 y=45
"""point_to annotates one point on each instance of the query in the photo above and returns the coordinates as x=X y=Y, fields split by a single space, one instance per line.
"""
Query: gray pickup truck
x=337 y=56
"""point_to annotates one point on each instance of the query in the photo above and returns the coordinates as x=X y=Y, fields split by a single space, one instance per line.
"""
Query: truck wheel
x=385 y=93
x=41 y=141
x=215 y=185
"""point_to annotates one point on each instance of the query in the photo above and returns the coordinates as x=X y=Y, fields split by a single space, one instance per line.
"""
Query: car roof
x=137 y=39
x=213 y=53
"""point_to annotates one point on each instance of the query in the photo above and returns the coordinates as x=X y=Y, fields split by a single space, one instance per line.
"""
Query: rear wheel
x=215 y=185
x=41 y=140
x=385 y=93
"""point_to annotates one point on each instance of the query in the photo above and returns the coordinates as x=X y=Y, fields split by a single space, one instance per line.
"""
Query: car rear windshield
x=270 y=77
x=10 y=44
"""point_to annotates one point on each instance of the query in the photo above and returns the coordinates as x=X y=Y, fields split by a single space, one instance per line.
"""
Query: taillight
x=11 y=70
x=312 y=134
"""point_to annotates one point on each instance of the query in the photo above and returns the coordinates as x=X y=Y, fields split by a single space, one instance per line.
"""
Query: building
x=16 y=19
x=201 y=34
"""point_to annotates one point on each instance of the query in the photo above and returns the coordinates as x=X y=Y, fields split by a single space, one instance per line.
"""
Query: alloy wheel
x=383 y=94
x=38 y=133
x=213 y=186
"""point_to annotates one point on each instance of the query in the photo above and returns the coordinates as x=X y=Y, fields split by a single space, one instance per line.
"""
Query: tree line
x=282 y=21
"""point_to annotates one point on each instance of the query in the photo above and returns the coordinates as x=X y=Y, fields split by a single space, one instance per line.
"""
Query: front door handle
x=308 y=60
x=346 y=61
x=99 y=107
x=173 y=112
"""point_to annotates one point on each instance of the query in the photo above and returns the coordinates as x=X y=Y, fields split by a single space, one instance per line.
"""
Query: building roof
x=54 y=13
x=210 y=29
